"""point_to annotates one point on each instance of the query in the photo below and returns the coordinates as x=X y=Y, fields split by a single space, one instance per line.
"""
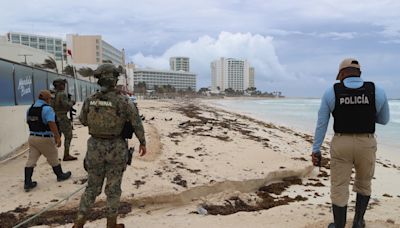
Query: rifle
x=72 y=111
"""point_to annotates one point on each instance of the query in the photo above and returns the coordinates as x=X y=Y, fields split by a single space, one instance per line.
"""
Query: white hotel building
x=52 y=45
x=179 y=64
x=180 y=80
x=231 y=73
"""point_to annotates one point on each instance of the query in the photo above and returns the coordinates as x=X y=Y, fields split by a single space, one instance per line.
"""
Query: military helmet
x=106 y=70
x=59 y=81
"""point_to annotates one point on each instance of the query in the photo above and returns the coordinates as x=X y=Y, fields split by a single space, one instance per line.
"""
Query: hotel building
x=92 y=49
x=179 y=64
x=180 y=80
x=231 y=73
x=48 y=44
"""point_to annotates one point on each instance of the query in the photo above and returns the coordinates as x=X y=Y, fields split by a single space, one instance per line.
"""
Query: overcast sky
x=295 y=46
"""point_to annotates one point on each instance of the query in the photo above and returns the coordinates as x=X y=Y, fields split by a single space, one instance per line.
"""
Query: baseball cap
x=348 y=62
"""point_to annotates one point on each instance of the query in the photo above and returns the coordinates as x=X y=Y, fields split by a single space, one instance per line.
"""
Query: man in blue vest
x=356 y=107
x=43 y=139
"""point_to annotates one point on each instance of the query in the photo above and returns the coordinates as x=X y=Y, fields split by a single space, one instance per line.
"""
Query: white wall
x=14 y=130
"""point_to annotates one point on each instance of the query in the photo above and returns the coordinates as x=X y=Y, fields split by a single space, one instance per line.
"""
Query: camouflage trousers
x=66 y=129
x=105 y=158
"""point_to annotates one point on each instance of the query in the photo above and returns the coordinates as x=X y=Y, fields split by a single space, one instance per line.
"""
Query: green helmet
x=59 y=81
x=107 y=75
x=106 y=70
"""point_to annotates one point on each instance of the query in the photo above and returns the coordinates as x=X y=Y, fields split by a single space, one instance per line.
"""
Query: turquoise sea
x=302 y=114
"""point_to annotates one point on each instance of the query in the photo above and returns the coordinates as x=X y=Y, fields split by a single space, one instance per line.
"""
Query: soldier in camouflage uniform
x=105 y=113
x=61 y=106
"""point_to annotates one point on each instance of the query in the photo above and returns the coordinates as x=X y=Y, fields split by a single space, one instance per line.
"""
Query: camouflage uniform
x=105 y=113
x=62 y=105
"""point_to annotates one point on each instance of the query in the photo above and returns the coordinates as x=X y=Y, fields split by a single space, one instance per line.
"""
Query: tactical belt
x=39 y=135
x=369 y=135
x=106 y=136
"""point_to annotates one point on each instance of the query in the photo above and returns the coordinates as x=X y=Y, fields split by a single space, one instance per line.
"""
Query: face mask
x=107 y=82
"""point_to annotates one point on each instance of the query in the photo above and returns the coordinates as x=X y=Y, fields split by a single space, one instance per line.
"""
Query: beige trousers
x=41 y=145
x=348 y=151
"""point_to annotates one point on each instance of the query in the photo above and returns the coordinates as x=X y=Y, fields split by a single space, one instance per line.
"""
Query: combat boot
x=361 y=207
x=28 y=183
x=68 y=157
x=339 y=217
x=112 y=222
x=79 y=222
x=59 y=173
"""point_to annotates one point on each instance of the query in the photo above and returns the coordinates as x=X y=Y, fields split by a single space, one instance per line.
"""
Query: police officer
x=105 y=113
x=62 y=105
x=43 y=139
x=356 y=107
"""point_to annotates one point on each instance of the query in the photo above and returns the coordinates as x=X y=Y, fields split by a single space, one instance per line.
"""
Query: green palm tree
x=50 y=63
x=86 y=72
x=69 y=70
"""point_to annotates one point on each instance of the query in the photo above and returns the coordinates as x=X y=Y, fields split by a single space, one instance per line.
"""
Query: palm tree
x=50 y=63
x=69 y=70
x=86 y=72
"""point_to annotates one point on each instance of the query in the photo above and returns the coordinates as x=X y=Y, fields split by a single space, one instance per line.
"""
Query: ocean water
x=302 y=114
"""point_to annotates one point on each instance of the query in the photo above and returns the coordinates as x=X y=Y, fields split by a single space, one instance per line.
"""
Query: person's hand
x=142 y=150
x=316 y=158
x=58 y=141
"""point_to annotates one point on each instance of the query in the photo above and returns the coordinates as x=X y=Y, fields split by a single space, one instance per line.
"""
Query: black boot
x=361 y=207
x=29 y=184
x=339 y=216
x=60 y=175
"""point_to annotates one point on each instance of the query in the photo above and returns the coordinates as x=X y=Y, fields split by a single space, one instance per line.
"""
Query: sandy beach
x=205 y=167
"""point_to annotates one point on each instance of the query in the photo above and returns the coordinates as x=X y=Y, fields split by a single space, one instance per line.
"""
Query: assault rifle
x=72 y=111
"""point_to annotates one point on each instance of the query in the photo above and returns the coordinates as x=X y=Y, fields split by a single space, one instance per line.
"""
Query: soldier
x=62 y=105
x=106 y=113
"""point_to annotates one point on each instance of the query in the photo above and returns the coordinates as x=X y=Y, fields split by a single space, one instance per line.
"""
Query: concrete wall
x=14 y=130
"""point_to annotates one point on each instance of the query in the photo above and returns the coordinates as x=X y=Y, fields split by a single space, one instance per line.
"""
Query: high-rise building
x=52 y=45
x=179 y=64
x=231 y=73
x=251 y=77
x=92 y=49
x=180 y=80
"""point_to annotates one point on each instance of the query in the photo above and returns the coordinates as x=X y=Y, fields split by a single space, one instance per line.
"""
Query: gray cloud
x=309 y=37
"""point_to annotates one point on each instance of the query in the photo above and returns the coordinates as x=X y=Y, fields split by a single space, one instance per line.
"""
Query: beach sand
x=202 y=159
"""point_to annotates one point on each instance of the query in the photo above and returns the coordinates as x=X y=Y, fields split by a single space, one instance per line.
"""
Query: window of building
x=42 y=40
x=25 y=38
x=58 y=42
x=42 y=47
x=33 y=39
x=50 y=41
x=50 y=47
x=15 y=37
x=58 y=48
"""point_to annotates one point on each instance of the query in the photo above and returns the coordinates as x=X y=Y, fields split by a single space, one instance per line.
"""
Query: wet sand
x=240 y=170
